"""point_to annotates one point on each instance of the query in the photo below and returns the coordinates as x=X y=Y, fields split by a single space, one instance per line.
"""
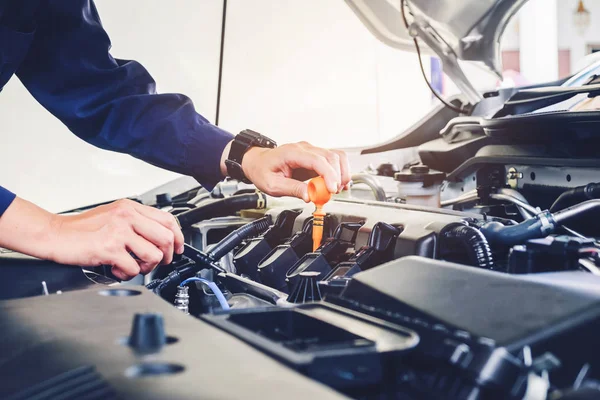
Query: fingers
x=149 y=255
x=272 y=170
x=300 y=157
x=337 y=159
x=124 y=266
x=150 y=234
x=165 y=219
x=283 y=186
x=334 y=160
x=344 y=167
x=156 y=235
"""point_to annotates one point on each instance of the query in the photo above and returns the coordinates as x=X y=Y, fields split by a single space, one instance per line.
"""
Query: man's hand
x=271 y=169
x=130 y=237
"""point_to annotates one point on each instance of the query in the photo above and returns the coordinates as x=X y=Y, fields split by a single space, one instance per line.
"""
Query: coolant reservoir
x=420 y=185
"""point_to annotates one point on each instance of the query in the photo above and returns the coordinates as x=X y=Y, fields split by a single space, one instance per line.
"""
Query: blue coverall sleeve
x=6 y=198
x=112 y=103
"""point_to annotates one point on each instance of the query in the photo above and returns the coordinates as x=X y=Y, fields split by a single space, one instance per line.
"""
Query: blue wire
x=213 y=286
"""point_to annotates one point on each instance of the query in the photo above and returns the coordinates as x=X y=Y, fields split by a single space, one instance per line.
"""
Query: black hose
x=477 y=246
x=153 y=284
x=576 y=195
x=167 y=287
x=538 y=227
x=221 y=208
x=236 y=237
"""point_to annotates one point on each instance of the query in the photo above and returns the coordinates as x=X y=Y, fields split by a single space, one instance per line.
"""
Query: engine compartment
x=480 y=296
x=476 y=294
x=483 y=296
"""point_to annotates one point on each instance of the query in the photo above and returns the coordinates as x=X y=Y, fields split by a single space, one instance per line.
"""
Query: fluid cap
x=420 y=173
x=147 y=333
x=318 y=192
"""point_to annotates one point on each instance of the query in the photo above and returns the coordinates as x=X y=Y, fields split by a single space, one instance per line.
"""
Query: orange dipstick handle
x=319 y=195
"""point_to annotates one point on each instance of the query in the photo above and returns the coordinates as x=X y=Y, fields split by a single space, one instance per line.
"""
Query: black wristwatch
x=240 y=145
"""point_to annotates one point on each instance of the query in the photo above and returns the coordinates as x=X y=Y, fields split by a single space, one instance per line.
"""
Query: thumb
x=290 y=187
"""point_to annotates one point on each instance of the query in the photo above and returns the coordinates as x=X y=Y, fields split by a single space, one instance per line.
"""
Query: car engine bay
x=423 y=287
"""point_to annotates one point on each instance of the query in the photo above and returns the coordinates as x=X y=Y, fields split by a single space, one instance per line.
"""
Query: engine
x=422 y=287
x=475 y=296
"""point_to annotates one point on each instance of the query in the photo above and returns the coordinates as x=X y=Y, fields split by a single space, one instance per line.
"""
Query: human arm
x=113 y=104
x=105 y=235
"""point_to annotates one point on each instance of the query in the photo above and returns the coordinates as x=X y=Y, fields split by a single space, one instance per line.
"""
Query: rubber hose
x=153 y=284
x=236 y=237
x=476 y=243
x=221 y=208
x=576 y=195
x=538 y=227
x=168 y=286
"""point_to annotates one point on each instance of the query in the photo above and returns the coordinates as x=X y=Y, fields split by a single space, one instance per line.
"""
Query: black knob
x=147 y=333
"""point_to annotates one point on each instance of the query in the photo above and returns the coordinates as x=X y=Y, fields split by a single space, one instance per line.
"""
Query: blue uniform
x=60 y=52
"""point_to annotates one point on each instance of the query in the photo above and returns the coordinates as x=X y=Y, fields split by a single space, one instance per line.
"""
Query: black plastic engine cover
x=513 y=311
x=75 y=341
x=22 y=276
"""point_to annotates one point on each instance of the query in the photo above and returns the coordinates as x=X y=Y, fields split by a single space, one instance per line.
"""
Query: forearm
x=112 y=103
x=27 y=228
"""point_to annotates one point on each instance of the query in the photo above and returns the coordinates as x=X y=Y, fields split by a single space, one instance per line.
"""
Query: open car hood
x=455 y=30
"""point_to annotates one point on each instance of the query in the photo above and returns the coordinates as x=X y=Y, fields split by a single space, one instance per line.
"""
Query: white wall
x=539 y=41
x=43 y=162
x=309 y=70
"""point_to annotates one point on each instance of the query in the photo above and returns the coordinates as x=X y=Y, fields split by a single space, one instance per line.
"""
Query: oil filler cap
x=147 y=333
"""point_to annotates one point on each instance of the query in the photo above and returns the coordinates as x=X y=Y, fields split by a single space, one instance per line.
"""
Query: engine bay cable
x=212 y=286
x=459 y=110
x=221 y=208
x=540 y=226
x=229 y=242
x=576 y=195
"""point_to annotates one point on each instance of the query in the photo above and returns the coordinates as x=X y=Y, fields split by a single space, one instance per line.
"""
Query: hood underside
x=468 y=30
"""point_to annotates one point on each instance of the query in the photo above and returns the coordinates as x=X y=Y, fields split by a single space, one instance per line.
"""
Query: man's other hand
x=131 y=237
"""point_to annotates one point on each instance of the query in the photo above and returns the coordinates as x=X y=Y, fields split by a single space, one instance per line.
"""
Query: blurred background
x=292 y=69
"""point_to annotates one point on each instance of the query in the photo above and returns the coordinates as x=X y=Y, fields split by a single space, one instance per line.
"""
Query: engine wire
x=213 y=287
x=459 y=110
